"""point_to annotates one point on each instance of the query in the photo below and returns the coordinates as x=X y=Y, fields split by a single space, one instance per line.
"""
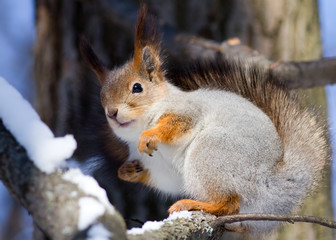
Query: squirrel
x=242 y=144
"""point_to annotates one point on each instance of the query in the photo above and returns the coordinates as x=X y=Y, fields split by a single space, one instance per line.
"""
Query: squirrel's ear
x=146 y=44
x=150 y=62
x=92 y=59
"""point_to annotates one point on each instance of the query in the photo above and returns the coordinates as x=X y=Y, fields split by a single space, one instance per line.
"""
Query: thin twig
x=221 y=221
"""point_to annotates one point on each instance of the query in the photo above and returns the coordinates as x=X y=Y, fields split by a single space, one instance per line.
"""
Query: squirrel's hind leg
x=226 y=206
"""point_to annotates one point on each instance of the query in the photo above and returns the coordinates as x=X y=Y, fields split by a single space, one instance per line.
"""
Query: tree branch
x=307 y=74
x=206 y=226
x=50 y=199
x=293 y=74
x=221 y=221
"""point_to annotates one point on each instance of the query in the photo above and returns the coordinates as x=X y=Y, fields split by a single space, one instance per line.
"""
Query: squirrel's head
x=129 y=90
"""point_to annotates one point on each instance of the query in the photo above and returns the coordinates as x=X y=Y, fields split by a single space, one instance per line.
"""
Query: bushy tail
x=305 y=151
x=304 y=137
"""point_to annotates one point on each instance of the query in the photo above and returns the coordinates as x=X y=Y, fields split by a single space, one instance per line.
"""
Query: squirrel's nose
x=112 y=113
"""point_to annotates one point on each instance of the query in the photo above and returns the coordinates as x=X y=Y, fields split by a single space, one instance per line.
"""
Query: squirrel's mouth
x=125 y=124
x=122 y=124
x=114 y=119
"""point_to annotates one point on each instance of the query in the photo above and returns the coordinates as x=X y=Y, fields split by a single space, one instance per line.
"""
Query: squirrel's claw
x=131 y=171
x=148 y=142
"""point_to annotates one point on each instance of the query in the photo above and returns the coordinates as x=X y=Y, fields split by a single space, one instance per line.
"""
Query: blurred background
x=39 y=56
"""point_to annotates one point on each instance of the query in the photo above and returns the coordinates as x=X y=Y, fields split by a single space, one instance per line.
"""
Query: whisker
x=134 y=99
x=127 y=97
x=141 y=103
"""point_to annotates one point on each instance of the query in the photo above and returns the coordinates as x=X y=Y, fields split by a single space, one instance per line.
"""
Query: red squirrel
x=245 y=146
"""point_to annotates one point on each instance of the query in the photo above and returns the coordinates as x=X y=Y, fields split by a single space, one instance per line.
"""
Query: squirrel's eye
x=137 y=88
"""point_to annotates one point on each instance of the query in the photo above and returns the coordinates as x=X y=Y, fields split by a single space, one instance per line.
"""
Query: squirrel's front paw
x=148 y=142
x=131 y=171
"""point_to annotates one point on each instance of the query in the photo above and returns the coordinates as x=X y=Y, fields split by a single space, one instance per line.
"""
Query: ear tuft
x=92 y=59
x=147 y=41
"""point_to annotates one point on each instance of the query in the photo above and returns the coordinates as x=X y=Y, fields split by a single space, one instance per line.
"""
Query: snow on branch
x=57 y=201
x=24 y=123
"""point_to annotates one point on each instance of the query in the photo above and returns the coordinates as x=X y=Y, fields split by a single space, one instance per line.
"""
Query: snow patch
x=148 y=226
x=181 y=214
x=88 y=185
x=99 y=232
x=93 y=207
x=47 y=152
x=89 y=210
x=154 y=225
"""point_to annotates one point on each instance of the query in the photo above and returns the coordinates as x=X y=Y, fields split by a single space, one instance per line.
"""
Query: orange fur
x=167 y=130
x=228 y=205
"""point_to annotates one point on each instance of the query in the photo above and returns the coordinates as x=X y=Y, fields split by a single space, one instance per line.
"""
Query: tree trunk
x=67 y=92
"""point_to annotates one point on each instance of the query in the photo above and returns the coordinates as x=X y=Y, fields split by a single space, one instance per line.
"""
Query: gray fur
x=234 y=147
